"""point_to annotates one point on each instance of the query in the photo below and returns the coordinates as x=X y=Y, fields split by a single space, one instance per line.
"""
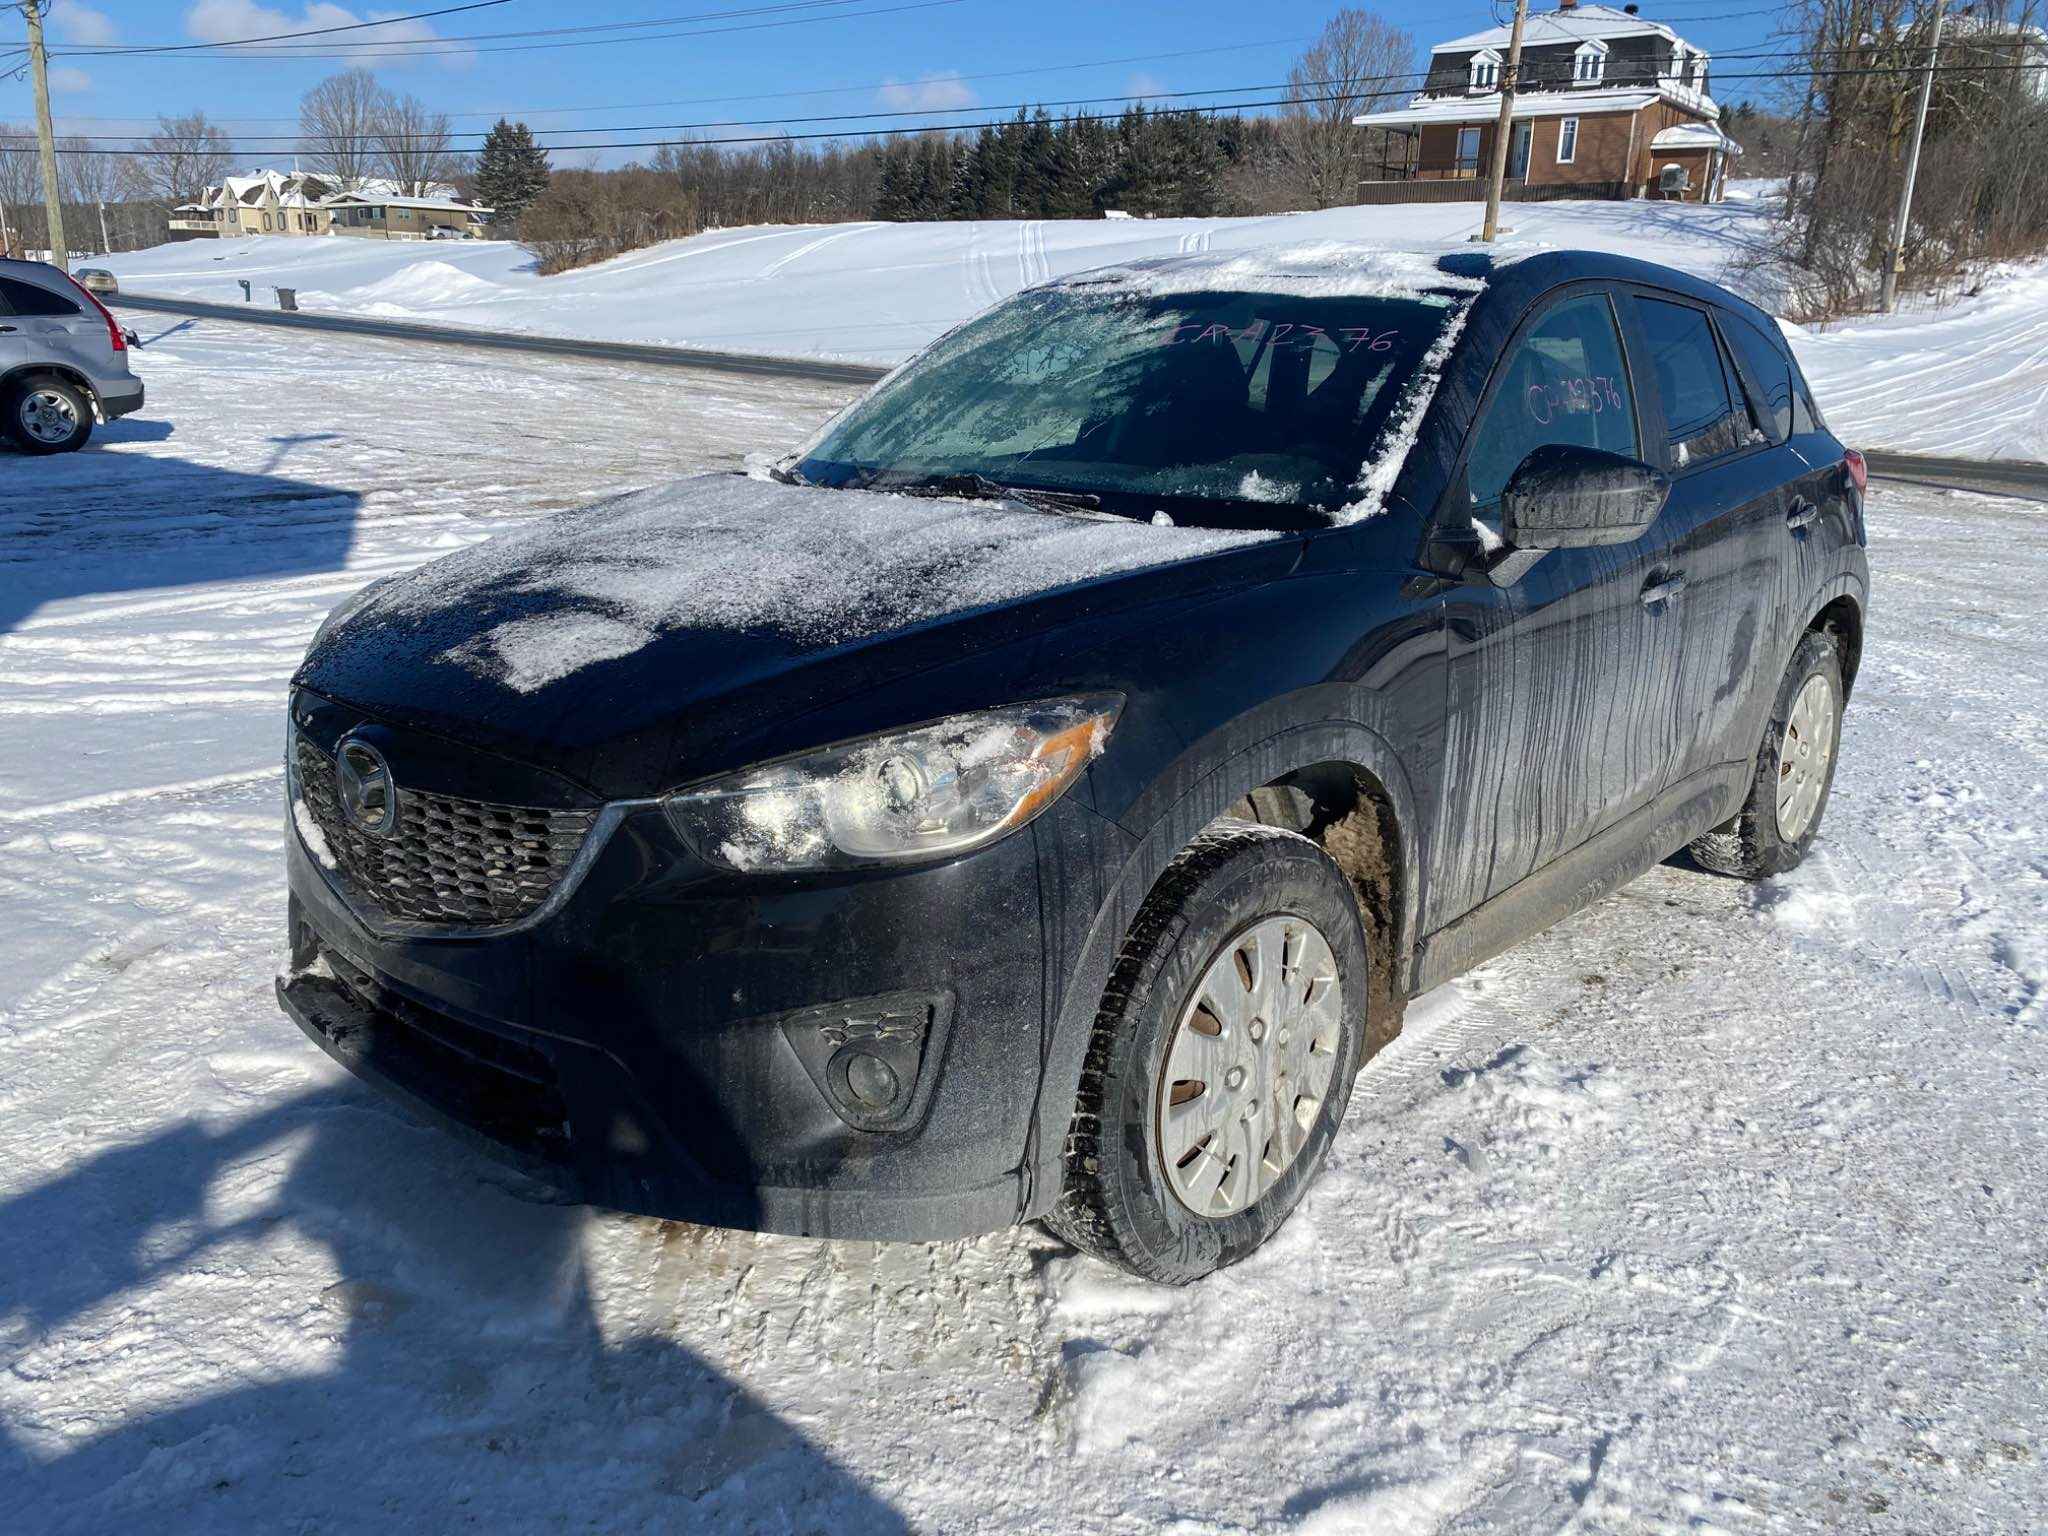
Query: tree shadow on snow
x=92 y=523
x=435 y=1362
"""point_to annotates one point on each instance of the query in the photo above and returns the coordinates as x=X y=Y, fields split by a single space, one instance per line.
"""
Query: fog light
x=867 y=1056
x=871 y=1080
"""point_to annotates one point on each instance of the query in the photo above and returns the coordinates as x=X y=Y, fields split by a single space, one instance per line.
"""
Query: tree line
x=1981 y=195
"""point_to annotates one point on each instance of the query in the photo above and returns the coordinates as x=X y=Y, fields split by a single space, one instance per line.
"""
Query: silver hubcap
x=48 y=417
x=1804 y=757
x=1249 y=1066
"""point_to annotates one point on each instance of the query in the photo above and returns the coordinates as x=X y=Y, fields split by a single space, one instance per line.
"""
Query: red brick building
x=1610 y=104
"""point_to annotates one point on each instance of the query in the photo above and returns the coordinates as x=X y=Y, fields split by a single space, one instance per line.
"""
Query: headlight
x=942 y=788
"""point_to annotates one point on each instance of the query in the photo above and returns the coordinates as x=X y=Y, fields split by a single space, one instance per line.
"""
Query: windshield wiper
x=978 y=487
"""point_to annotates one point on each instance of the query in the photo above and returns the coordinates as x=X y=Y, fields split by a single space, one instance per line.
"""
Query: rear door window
x=28 y=299
x=1563 y=382
x=1704 y=407
x=1769 y=369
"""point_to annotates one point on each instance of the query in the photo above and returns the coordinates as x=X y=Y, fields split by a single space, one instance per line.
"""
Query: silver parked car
x=63 y=360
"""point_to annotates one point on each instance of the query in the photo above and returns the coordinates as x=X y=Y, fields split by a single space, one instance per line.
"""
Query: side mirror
x=1563 y=496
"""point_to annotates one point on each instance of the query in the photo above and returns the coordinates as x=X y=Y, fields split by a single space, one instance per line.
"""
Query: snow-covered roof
x=1695 y=136
x=1584 y=23
x=1323 y=268
x=1486 y=109
x=388 y=200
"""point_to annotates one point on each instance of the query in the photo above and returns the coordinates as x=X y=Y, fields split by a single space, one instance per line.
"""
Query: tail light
x=1859 y=472
x=113 y=326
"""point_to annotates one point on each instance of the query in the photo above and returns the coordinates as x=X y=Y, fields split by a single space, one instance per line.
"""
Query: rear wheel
x=1222 y=1058
x=48 y=415
x=1795 y=770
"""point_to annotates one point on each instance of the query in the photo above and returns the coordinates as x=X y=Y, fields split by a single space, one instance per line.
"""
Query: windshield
x=1241 y=410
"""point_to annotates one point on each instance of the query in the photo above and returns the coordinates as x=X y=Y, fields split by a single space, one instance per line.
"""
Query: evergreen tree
x=511 y=171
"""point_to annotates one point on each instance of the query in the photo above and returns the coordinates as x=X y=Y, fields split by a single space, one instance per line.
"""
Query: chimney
x=1566 y=5
x=1632 y=9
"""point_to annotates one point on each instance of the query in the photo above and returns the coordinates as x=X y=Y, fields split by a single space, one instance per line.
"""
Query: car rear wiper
x=977 y=487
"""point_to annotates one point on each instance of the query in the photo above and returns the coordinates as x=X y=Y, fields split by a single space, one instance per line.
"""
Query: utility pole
x=1895 y=258
x=46 y=138
x=106 y=241
x=1510 y=73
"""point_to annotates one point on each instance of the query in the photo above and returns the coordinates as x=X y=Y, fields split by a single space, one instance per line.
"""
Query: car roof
x=1336 y=268
x=33 y=271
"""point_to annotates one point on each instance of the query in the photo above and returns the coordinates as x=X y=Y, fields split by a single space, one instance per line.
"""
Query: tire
x=47 y=414
x=1238 y=899
x=1795 y=765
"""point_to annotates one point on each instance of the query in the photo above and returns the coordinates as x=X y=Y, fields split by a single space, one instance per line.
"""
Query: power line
x=281 y=48
x=108 y=50
x=1792 y=71
x=829 y=90
x=268 y=56
x=270 y=143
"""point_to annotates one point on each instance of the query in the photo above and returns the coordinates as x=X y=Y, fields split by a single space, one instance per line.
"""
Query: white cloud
x=930 y=93
x=228 y=21
x=66 y=81
x=82 y=24
x=1142 y=84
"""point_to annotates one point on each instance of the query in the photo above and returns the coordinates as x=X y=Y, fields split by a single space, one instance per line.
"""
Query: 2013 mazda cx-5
x=1038 y=796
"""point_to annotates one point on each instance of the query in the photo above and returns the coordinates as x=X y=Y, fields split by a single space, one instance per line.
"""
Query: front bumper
x=664 y=1041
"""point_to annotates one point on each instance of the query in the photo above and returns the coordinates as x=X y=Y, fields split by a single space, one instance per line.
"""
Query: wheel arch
x=1338 y=782
x=24 y=372
x=1840 y=618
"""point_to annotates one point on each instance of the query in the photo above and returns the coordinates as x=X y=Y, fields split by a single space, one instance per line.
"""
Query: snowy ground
x=1717 y=1208
x=1969 y=380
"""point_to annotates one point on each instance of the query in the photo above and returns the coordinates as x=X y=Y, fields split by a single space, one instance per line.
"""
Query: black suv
x=1037 y=797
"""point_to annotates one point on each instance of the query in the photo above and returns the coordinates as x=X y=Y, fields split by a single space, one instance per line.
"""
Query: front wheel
x=1795 y=770
x=48 y=415
x=1222 y=1057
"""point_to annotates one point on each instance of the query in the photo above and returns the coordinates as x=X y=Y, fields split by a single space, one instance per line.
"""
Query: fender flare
x=63 y=371
x=1197 y=788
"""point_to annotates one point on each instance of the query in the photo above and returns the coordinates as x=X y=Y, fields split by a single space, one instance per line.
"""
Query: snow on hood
x=732 y=553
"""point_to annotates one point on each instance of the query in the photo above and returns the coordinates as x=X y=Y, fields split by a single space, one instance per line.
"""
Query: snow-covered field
x=1971 y=379
x=1716 y=1209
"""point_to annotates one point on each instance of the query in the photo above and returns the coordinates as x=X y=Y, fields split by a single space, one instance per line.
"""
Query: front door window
x=1518 y=152
x=1468 y=151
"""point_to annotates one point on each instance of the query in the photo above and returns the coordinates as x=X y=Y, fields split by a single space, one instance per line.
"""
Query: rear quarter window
x=1769 y=369
x=27 y=299
x=1704 y=406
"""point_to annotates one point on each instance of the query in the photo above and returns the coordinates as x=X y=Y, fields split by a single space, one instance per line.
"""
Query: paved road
x=1998 y=478
x=697 y=358
x=1993 y=477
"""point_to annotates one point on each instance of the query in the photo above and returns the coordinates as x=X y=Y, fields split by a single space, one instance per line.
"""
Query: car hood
x=661 y=635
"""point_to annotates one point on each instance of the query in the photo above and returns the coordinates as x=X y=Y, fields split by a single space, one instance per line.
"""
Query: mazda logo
x=369 y=799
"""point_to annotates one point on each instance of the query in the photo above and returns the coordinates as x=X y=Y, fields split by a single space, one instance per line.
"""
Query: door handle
x=1803 y=512
x=7 y=329
x=1663 y=591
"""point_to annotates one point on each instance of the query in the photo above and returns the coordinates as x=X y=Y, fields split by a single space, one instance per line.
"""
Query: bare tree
x=1359 y=63
x=21 y=185
x=414 y=146
x=339 y=122
x=90 y=178
x=183 y=158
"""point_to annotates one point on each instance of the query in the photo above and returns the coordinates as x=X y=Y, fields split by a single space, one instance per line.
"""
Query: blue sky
x=960 y=53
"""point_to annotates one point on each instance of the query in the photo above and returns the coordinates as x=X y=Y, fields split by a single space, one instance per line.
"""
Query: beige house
x=380 y=216
x=1609 y=104
x=309 y=203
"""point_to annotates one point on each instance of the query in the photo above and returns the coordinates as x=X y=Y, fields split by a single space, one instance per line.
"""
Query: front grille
x=448 y=861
